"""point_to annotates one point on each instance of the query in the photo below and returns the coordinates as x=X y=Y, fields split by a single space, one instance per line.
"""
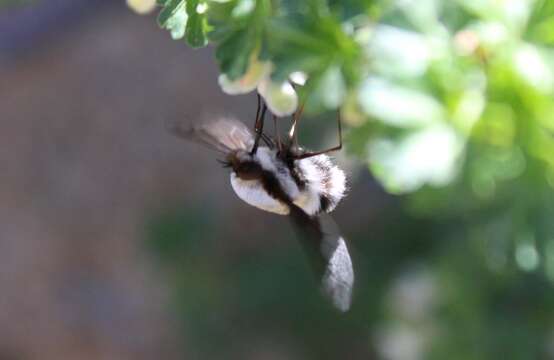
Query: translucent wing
x=223 y=135
x=329 y=255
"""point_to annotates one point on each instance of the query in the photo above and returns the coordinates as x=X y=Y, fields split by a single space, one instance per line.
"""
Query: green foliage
x=438 y=77
x=197 y=25
x=185 y=19
x=451 y=106
x=239 y=27
x=293 y=36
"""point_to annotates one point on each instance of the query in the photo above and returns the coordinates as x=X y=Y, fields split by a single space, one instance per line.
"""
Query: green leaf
x=233 y=54
x=169 y=9
x=238 y=34
x=196 y=25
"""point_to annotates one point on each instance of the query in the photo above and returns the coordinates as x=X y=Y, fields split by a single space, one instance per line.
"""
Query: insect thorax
x=269 y=181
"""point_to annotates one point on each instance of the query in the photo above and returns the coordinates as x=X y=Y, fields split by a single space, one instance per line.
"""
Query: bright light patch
x=243 y=7
x=469 y=109
x=531 y=66
x=332 y=88
x=516 y=12
x=527 y=256
x=281 y=98
x=298 y=77
x=466 y=42
x=491 y=34
x=400 y=52
x=142 y=6
x=423 y=14
x=201 y=8
x=398 y=106
x=399 y=341
x=429 y=156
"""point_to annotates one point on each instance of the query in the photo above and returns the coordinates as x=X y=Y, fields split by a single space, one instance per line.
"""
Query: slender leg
x=258 y=128
x=338 y=147
x=259 y=124
x=268 y=141
x=277 y=134
x=293 y=133
x=259 y=100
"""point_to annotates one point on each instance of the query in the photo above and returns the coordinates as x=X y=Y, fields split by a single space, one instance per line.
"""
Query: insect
x=283 y=178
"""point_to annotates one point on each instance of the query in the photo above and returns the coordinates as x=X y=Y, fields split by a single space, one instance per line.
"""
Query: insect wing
x=223 y=135
x=329 y=255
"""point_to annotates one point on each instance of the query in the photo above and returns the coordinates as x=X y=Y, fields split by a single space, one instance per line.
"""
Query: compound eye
x=246 y=167
x=248 y=170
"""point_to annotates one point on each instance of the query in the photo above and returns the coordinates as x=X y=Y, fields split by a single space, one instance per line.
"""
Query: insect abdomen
x=253 y=193
x=325 y=182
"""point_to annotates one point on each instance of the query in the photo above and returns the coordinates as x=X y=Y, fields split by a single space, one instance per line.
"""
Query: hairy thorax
x=270 y=182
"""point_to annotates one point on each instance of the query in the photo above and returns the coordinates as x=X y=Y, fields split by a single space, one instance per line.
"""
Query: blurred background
x=119 y=241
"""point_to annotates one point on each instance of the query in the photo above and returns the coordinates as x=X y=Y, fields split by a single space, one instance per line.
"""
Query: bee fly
x=285 y=179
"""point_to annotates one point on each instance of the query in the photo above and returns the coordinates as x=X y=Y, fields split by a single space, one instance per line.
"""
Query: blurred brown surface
x=84 y=157
x=86 y=160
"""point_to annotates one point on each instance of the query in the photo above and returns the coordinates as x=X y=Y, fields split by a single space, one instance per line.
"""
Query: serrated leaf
x=169 y=9
x=195 y=32
x=196 y=26
x=233 y=54
x=311 y=44
x=237 y=38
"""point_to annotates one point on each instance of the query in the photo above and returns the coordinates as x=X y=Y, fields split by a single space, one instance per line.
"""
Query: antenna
x=338 y=147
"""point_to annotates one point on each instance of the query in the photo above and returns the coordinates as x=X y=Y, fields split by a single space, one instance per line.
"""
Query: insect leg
x=259 y=126
x=277 y=134
x=268 y=141
x=293 y=133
